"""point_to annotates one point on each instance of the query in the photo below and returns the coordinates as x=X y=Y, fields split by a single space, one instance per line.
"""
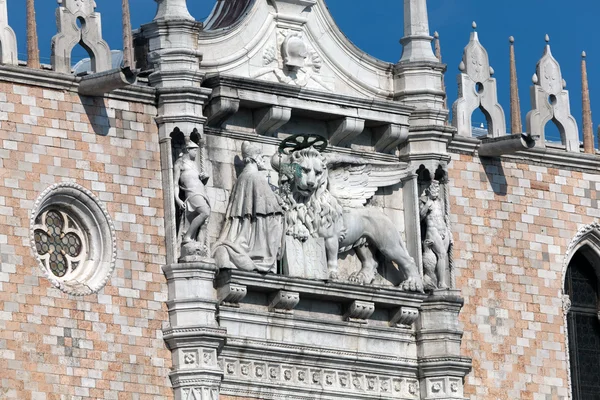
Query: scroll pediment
x=295 y=42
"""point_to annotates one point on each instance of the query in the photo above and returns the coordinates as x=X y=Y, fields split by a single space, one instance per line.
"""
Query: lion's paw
x=412 y=285
x=333 y=275
x=358 y=277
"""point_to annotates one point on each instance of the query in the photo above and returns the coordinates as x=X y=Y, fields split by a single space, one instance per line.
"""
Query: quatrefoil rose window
x=73 y=238
x=59 y=242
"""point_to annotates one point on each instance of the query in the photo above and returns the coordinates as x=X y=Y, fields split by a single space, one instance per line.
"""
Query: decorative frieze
x=305 y=380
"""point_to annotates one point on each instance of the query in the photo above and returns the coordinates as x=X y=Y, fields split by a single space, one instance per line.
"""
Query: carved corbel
x=343 y=131
x=404 y=317
x=390 y=136
x=223 y=103
x=231 y=294
x=284 y=301
x=359 y=311
x=270 y=119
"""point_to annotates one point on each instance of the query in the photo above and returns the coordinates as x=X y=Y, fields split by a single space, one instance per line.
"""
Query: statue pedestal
x=193 y=252
x=305 y=259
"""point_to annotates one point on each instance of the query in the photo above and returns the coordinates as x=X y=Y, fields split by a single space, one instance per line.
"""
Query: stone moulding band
x=387 y=297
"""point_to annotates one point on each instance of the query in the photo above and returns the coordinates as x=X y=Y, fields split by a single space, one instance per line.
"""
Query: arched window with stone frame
x=582 y=316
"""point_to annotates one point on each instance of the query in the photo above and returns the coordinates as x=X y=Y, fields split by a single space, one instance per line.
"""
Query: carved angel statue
x=325 y=195
x=251 y=236
x=190 y=197
x=437 y=237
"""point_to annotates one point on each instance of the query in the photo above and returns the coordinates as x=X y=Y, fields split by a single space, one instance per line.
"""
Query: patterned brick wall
x=513 y=223
x=104 y=346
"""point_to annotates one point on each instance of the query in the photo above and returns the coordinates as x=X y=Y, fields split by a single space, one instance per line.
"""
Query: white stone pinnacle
x=417 y=40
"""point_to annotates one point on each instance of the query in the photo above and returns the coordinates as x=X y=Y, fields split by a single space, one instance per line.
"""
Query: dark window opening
x=584 y=328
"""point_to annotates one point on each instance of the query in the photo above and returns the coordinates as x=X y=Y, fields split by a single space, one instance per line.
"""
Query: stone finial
x=516 y=125
x=77 y=22
x=588 y=130
x=550 y=102
x=477 y=89
x=33 y=51
x=8 y=39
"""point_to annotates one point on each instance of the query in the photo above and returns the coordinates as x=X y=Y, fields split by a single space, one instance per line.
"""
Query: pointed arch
x=583 y=249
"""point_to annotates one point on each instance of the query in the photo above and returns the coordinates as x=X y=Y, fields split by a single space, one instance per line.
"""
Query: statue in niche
x=325 y=196
x=251 y=237
x=437 y=238
x=191 y=200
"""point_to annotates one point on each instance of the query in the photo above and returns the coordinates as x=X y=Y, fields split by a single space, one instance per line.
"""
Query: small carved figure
x=437 y=234
x=190 y=194
x=330 y=204
x=253 y=230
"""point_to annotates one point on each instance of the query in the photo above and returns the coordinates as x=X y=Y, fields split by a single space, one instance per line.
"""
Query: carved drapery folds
x=78 y=23
x=550 y=103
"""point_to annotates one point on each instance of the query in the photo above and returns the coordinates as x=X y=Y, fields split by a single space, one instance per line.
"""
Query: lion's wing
x=354 y=181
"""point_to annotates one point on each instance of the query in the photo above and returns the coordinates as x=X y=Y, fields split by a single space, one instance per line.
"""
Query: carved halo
x=302 y=141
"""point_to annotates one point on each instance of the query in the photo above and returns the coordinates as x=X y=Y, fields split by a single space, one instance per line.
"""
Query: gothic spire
x=516 y=125
x=588 y=132
x=128 y=58
x=33 y=51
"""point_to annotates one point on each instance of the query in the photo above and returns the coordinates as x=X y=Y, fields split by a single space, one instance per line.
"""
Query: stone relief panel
x=290 y=59
x=325 y=195
x=319 y=208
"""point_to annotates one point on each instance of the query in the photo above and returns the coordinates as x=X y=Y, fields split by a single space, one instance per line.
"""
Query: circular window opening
x=73 y=239
x=552 y=99
x=80 y=21
x=479 y=87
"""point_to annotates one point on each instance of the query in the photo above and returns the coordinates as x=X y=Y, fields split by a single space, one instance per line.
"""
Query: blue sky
x=376 y=26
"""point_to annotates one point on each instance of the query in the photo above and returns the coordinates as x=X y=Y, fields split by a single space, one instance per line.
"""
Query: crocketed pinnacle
x=33 y=51
x=128 y=58
x=516 y=125
x=588 y=130
x=438 y=55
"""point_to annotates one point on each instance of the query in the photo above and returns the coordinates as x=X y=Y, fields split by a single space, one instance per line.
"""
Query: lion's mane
x=321 y=209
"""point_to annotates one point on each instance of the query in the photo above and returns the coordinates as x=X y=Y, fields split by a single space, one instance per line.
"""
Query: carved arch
x=586 y=241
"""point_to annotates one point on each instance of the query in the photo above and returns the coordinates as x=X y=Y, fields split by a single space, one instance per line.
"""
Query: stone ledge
x=548 y=157
x=68 y=82
x=382 y=297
